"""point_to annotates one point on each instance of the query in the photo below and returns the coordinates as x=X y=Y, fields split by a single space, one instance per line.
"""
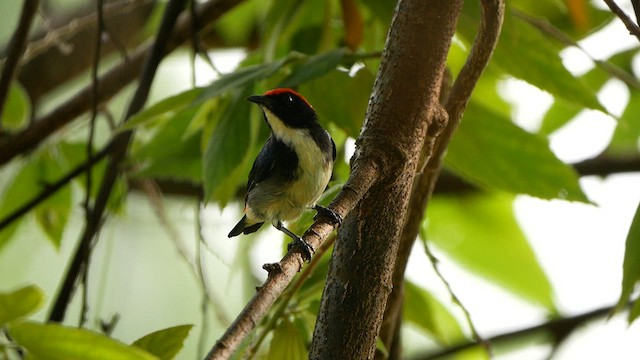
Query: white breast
x=314 y=167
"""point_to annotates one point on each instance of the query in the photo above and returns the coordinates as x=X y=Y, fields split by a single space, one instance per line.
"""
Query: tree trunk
x=404 y=103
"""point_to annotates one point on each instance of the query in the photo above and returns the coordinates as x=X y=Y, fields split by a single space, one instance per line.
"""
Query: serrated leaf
x=228 y=148
x=171 y=104
x=489 y=150
x=17 y=108
x=631 y=264
x=430 y=316
x=313 y=67
x=20 y=303
x=481 y=234
x=347 y=112
x=527 y=54
x=165 y=343
x=287 y=344
x=57 y=342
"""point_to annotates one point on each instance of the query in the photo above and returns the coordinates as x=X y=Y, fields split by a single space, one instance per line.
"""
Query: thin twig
x=636 y=9
x=556 y=326
x=92 y=127
x=110 y=84
x=456 y=300
x=121 y=144
x=17 y=46
x=204 y=305
x=285 y=299
x=52 y=188
x=53 y=37
x=208 y=292
x=633 y=28
x=546 y=27
x=195 y=40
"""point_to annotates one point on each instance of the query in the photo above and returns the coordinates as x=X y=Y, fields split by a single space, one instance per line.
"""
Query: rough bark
x=456 y=101
x=404 y=103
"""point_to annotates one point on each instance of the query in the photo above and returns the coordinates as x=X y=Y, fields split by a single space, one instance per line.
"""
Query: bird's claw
x=333 y=216
x=305 y=248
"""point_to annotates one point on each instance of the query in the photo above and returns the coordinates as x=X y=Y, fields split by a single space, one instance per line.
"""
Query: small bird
x=292 y=169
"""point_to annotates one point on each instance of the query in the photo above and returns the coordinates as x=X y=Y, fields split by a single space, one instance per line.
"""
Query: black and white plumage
x=293 y=168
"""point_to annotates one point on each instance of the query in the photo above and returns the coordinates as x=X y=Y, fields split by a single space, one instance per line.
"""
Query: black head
x=288 y=106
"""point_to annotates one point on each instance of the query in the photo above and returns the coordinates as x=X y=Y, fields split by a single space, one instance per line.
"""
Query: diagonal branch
x=281 y=274
x=110 y=84
x=16 y=48
x=633 y=28
x=559 y=329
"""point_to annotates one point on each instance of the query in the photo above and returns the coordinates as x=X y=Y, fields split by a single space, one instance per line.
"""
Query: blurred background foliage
x=163 y=260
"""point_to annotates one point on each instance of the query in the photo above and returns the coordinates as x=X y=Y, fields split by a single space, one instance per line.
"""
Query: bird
x=292 y=169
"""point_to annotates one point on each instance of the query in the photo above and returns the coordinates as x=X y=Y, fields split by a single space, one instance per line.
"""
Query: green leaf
x=489 y=150
x=527 y=54
x=23 y=186
x=165 y=343
x=634 y=313
x=315 y=66
x=54 y=341
x=427 y=313
x=53 y=214
x=618 y=66
x=280 y=17
x=382 y=349
x=168 y=154
x=240 y=78
x=17 y=108
x=20 y=303
x=631 y=265
x=381 y=9
x=347 y=112
x=627 y=134
x=169 y=105
x=228 y=149
x=477 y=352
x=287 y=344
x=480 y=233
x=238 y=25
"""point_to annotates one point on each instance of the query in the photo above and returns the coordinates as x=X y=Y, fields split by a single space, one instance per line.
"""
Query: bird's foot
x=304 y=247
x=327 y=213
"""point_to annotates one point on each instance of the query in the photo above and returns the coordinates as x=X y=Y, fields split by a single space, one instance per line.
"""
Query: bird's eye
x=290 y=98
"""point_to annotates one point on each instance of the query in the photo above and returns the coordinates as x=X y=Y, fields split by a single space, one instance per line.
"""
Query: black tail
x=241 y=227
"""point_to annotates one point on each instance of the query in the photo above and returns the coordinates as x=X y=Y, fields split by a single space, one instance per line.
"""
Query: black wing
x=275 y=160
